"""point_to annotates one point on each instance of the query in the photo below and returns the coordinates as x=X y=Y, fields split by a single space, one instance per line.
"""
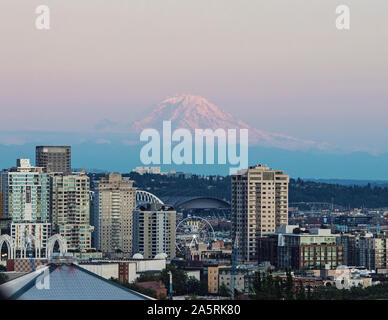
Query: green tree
x=301 y=292
x=193 y=286
x=144 y=277
x=179 y=279
x=203 y=287
x=224 y=291
x=289 y=286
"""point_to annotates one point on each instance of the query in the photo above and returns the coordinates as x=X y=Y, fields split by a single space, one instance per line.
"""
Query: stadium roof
x=66 y=282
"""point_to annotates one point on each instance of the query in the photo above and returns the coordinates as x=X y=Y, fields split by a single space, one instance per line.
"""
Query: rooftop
x=66 y=282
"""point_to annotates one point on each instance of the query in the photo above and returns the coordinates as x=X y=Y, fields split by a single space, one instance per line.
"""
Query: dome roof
x=161 y=256
x=138 y=256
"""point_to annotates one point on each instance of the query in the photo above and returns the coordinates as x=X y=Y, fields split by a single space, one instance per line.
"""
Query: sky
x=279 y=67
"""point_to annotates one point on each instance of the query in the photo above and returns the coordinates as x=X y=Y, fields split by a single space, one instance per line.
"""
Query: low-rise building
x=213 y=278
x=300 y=249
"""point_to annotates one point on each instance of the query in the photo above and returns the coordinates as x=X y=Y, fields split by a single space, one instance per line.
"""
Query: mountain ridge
x=196 y=112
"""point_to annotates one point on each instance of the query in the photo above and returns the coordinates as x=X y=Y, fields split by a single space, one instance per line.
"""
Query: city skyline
x=203 y=152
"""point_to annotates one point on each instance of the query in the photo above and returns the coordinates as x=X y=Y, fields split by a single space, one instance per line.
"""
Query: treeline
x=269 y=287
x=182 y=284
x=356 y=196
x=167 y=186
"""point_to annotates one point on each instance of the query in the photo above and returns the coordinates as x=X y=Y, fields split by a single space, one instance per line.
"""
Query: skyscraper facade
x=1 y=198
x=26 y=201
x=259 y=205
x=26 y=192
x=154 y=230
x=54 y=158
x=114 y=202
x=71 y=209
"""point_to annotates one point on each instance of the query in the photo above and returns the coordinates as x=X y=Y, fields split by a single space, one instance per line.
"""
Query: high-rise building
x=70 y=205
x=26 y=192
x=259 y=206
x=26 y=195
x=113 y=205
x=154 y=230
x=1 y=199
x=54 y=158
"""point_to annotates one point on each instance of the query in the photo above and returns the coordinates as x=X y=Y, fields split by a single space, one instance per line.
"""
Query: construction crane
x=234 y=265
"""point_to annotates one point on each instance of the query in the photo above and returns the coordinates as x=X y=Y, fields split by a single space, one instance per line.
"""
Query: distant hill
x=353 y=196
x=349 y=182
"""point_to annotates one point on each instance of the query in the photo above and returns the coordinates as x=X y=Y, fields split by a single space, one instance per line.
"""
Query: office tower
x=259 y=206
x=154 y=230
x=70 y=205
x=26 y=193
x=113 y=205
x=54 y=158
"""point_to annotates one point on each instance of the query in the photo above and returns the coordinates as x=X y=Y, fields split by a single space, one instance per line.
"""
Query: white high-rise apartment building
x=259 y=205
x=154 y=230
x=26 y=201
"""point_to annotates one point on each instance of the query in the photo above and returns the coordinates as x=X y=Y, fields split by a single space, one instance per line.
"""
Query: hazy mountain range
x=115 y=146
x=195 y=112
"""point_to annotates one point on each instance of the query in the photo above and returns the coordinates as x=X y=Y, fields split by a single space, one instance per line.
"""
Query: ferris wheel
x=193 y=230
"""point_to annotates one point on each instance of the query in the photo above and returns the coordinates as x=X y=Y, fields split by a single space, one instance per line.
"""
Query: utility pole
x=170 y=291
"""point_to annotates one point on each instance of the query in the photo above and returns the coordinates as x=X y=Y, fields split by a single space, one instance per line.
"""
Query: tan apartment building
x=114 y=203
x=259 y=206
x=154 y=230
x=71 y=209
x=213 y=278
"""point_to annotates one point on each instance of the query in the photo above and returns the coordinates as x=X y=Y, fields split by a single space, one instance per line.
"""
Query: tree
x=148 y=277
x=179 y=279
x=289 y=286
x=133 y=286
x=224 y=291
x=257 y=286
x=301 y=293
x=193 y=286
x=203 y=287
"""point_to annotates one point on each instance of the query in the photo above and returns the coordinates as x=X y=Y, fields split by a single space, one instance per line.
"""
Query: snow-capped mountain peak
x=195 y=112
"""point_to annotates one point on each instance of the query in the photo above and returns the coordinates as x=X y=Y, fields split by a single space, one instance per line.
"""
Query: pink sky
x=279 y=67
